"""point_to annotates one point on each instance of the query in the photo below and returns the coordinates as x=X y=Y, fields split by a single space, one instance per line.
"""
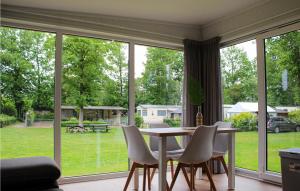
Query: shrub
x=44 y=116
x=244 y=121
x=173 y=122
x=295 y=116
x=8 y=107
x=6 y=120
x=139 y=121
x=74 y=121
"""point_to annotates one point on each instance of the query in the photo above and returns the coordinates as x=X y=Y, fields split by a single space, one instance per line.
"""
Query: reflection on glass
x=239 y=81
x=27 y=93
x=283 y=95
x=94 y=106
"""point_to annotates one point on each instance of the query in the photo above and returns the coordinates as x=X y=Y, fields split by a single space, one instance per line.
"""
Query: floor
x=242 y=184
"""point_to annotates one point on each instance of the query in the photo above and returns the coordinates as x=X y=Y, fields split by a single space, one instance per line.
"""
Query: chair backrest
x=221 y=140
x=200 y=148
x=172 y=143
x=138 y=150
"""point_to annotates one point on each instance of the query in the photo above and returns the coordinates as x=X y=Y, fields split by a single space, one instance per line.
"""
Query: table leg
x=162 y=166
x=231 y=161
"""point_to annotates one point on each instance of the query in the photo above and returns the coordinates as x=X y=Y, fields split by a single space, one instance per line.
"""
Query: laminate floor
x=242 y=184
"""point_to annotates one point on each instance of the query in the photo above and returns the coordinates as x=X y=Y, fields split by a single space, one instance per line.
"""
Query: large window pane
x=239 y=81
x=283 y=95
x=158 y=79
x=94 y=106
x=27 y=93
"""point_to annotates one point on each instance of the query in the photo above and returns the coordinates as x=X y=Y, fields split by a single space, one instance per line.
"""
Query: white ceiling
x=178 y=11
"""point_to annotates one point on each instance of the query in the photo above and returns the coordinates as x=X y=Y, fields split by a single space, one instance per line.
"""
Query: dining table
x=163 y=133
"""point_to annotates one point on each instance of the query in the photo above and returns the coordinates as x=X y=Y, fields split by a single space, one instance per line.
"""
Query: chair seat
x=174 y=154
x=217 y=154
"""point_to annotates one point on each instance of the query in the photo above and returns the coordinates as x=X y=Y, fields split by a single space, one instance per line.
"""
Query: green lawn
x=90 y=153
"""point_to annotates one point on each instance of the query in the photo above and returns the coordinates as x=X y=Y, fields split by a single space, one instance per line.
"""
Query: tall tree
x=239 y=76
x=283 y=56
x=161 y=82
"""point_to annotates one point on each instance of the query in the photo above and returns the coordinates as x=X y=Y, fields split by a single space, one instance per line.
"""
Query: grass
x=91 y=153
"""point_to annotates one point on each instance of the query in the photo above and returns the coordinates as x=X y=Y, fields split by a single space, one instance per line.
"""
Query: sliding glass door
x=94 y=106
x=27 y=93
x=240 y=101
x=279 y=69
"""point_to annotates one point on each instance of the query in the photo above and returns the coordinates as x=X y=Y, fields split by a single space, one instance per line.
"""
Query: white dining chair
x=221 y=144
x=139 y=154
x=174 y=151
x=197 y=153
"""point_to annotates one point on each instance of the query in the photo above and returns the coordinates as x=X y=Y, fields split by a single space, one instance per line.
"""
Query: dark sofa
x=29 y=174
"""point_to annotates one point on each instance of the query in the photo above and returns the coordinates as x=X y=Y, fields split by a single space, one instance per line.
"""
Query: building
x=111 y=114
x=251 y=107
x=157 y=113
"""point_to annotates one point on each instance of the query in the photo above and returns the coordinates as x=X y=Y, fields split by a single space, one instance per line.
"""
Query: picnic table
x=104 y=127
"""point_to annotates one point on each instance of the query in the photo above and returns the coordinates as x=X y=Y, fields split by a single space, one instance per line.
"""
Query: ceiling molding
x=259 y=18
x=147 y=29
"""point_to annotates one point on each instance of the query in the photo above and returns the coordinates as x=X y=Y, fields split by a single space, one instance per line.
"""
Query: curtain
x=202 y=63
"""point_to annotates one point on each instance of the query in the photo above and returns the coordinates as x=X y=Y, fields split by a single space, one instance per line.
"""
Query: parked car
x=279 y=124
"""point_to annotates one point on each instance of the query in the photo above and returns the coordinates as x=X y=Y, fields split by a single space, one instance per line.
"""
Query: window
x=27 y=93
x=158 y=79
x=239 y=82
x=95 y=87
x=145 y=113
x=283 y=95
x=161 y=113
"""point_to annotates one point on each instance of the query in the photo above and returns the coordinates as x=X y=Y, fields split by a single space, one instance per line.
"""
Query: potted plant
x=196 y=96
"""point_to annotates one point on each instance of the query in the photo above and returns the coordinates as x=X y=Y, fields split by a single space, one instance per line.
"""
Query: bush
x=8 y=107
x=139 y=121
x=295 y=116
x=173 y=122
x=44 y=116
x=6 y=120
x=244 y=121
x=74 y=121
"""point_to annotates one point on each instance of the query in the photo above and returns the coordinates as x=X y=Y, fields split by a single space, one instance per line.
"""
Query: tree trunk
x=81 y=117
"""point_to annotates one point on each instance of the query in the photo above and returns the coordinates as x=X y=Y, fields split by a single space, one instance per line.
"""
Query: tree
x=16 y=72
x=83 y=71
x=161 y=82
x=282 y=54
x=239 y=76
x=27 y=68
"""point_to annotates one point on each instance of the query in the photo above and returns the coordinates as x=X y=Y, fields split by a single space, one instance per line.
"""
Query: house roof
x=247 y=107
x=168 y=107
x=95 y=107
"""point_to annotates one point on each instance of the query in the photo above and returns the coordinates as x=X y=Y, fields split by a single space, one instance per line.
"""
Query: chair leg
x=192 y=178
x=185 y=175
x=175 y=176
x=152 y=174
x=144 y=177
x=212 y=184
x=172 y=168
x=149 y=179
x=133 y=167
x=224 y=164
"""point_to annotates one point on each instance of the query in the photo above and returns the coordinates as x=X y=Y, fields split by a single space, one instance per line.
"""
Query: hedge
x=173 y=122
x=74 y=122
x=295 y=116
x=6 y=120
x=244 y=121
